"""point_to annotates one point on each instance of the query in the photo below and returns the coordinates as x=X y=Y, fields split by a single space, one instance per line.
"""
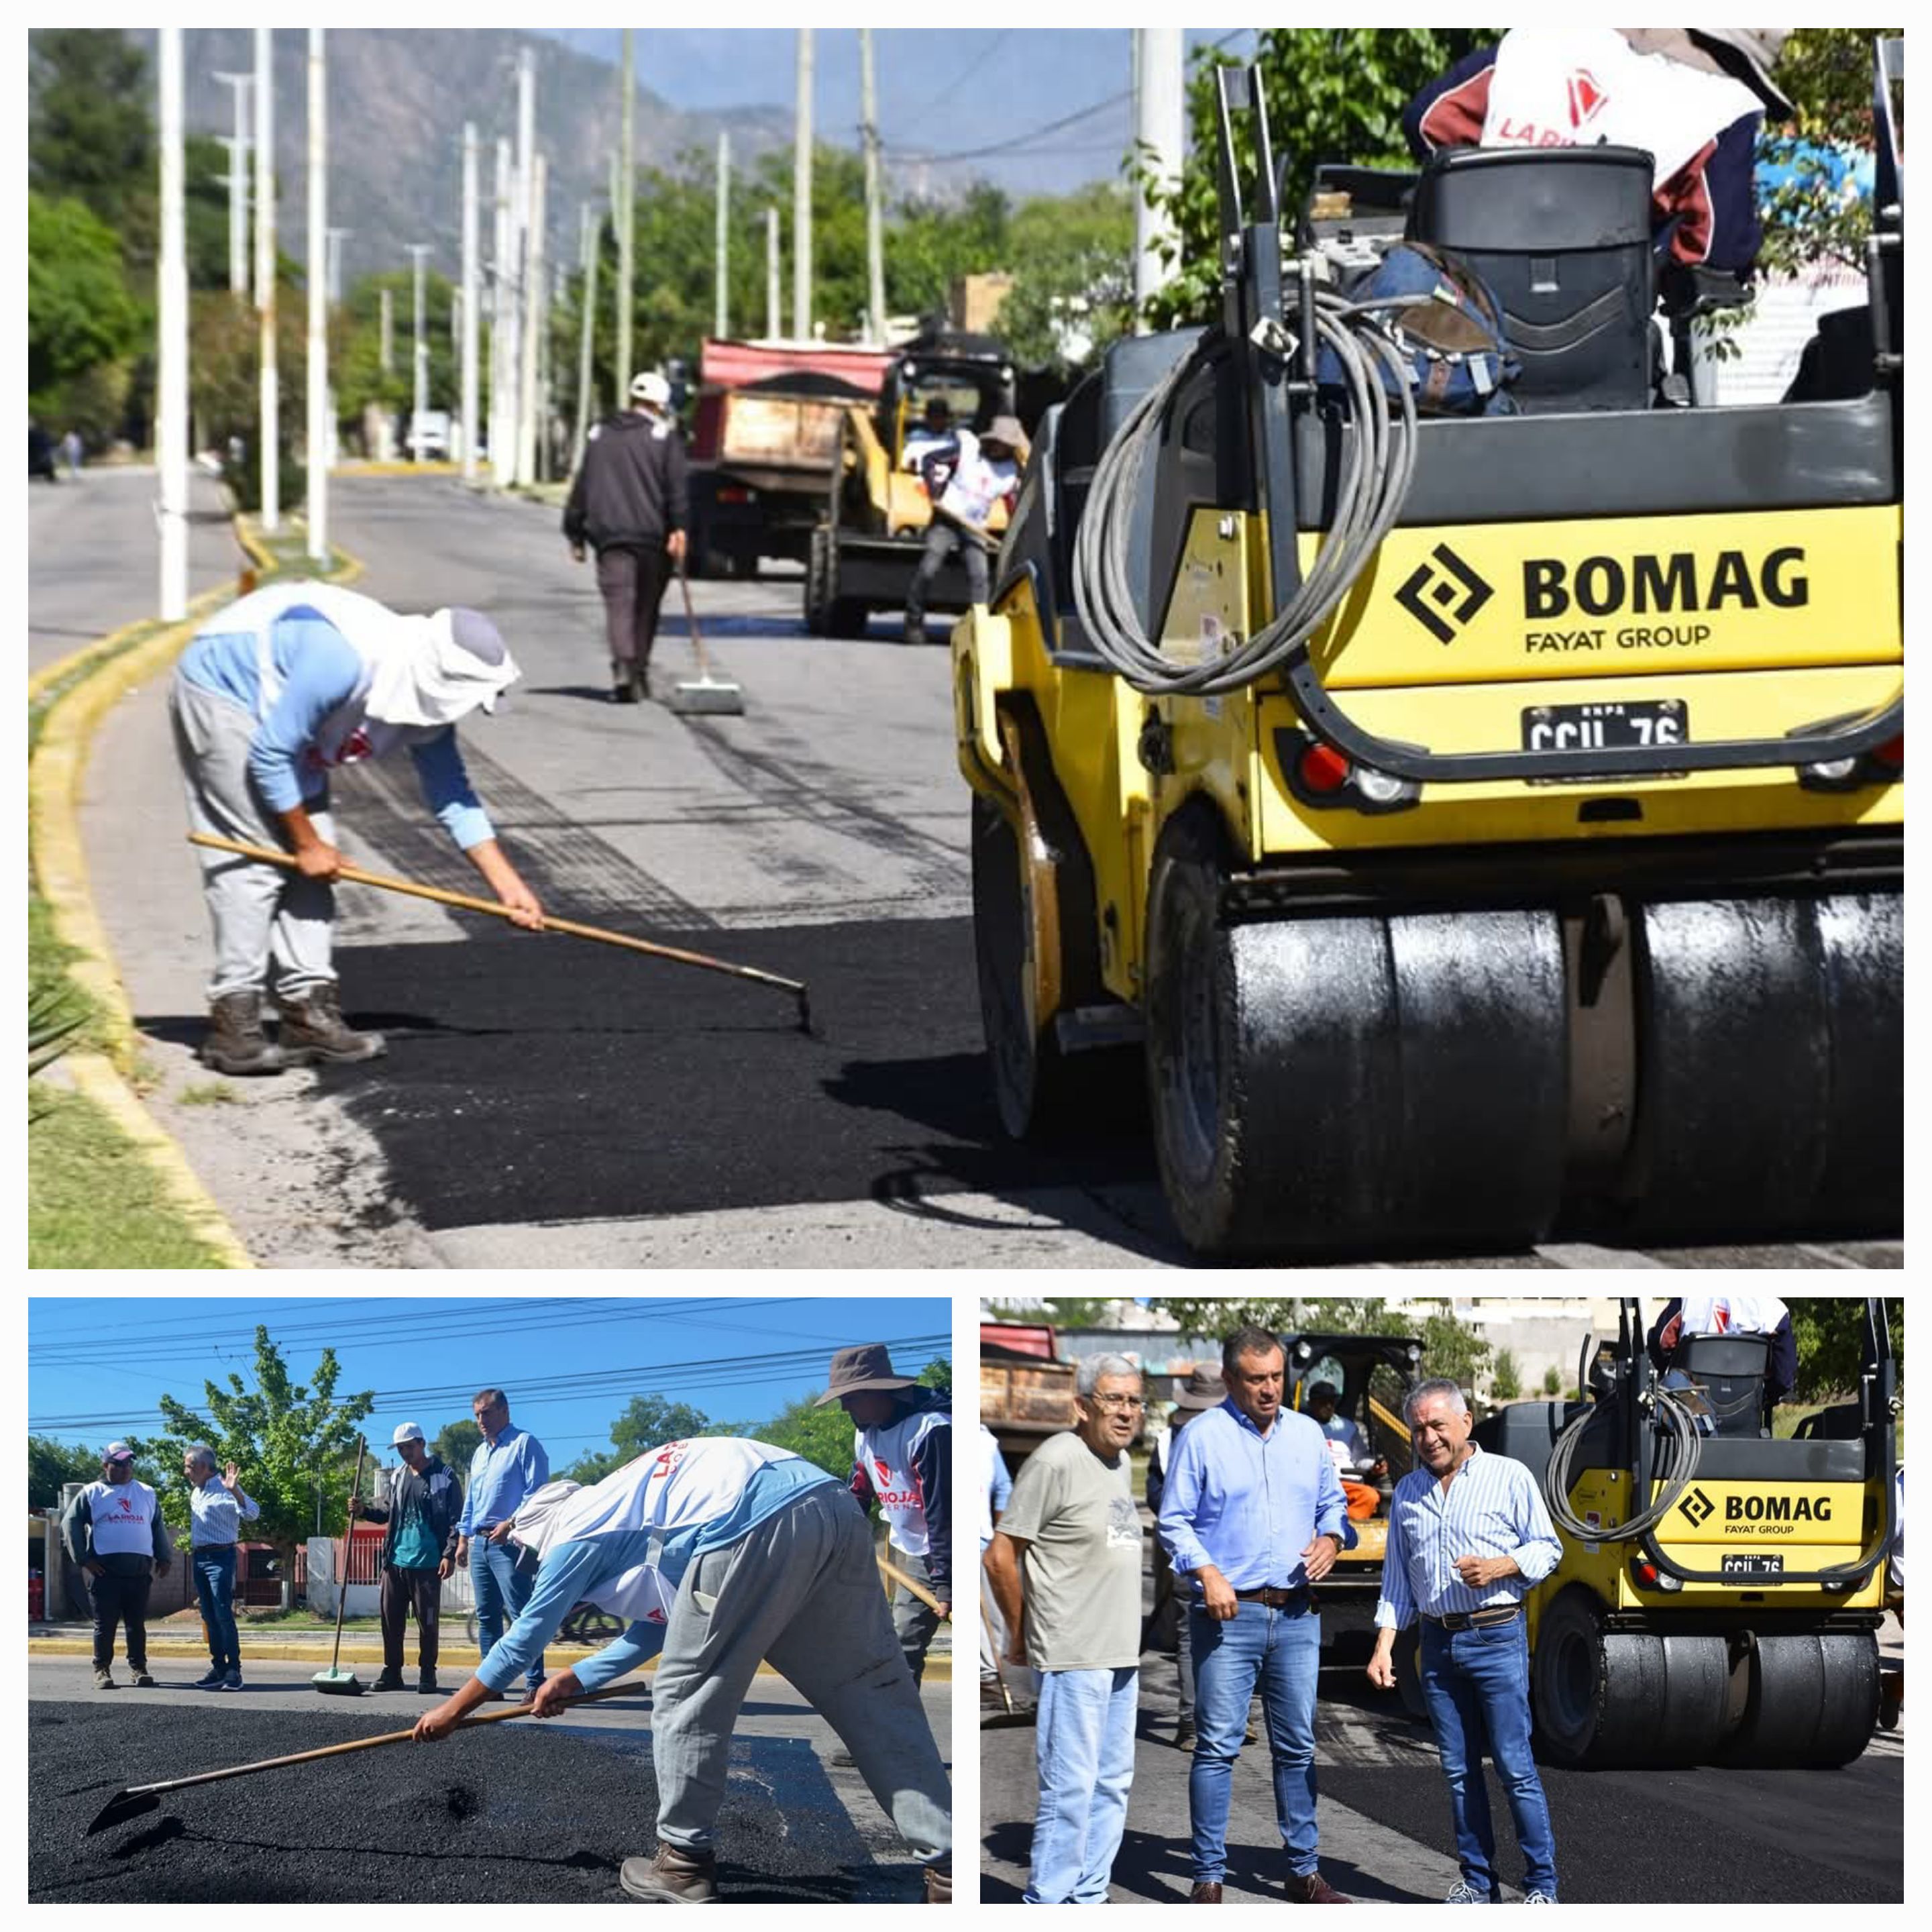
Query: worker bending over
x=722 y=1551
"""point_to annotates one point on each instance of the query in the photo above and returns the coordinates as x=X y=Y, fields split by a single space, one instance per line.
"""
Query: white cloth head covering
x=433 y=671
x=535 y=1524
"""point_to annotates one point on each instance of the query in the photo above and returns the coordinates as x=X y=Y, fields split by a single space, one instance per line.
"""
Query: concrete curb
x=55 y=772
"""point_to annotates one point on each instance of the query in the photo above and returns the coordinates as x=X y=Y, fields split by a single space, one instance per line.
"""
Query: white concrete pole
x=171 y=344
x=515 y=379
x=626 y=213
x=319 y=440
x=875 y=243
x=387 y=297
x=501 y=460
x=470 y=315
x=419 y=354
x=336 y=237
x=532 y=403
x=588 y=226
x=237 y=145
x=265 y=277
x=801 y=195
x=722 y=247
x=771 y=331
x=1160 y=128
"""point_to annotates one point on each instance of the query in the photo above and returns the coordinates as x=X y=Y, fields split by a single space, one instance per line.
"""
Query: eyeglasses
x=1118 y=1403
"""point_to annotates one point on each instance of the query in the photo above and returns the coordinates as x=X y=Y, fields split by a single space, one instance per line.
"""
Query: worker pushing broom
x=272 y=694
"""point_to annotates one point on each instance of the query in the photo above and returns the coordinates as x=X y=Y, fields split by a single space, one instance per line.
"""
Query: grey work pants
x=268 y=923
x=941 y=540
x=632 y=584
x=801 y=1591
x=913 y=1622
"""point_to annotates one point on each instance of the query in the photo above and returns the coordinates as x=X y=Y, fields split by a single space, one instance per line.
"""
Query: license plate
x=1770 y=1563
x=1620 y=726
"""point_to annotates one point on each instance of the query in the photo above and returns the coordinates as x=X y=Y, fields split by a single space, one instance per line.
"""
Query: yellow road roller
x=1721 y=1590
x=1478 y=823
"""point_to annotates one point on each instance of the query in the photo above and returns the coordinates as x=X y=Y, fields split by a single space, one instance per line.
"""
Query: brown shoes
x=673 y=1877
x=1205 y=1894
x=313 y=1029
x=1312 y=1888
x=938 y=1886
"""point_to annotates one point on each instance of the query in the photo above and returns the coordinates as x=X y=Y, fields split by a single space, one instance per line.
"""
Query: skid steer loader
x=1480 y=822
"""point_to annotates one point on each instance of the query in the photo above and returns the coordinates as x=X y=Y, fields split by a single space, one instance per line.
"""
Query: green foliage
x=1070 y=1311
x=930 y=243
x=1505 y=1379
x=821 y=1436
x=1071 y=258
x=1332 y=1314
x=80 y=313
x=1552 y=1381
x=50 y=1463
x=284 y=1435
x=53 y=1019
x=1829 y=1333
x=1453 y=1349
x=457 y=1443
x=1333 y=94
x=938 y=1374
x=90 y=134
x=648 y=1421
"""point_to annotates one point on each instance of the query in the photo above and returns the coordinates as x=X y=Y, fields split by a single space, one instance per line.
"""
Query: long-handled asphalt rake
x=355 y=875
x=139 y=1799
x=337 y=1682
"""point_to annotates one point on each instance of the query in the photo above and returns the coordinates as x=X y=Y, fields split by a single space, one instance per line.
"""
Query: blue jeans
x=501 y=1595
x=215 y=1582
x=1476 y=1684
x=1281 y=1650
x=1084 y=1750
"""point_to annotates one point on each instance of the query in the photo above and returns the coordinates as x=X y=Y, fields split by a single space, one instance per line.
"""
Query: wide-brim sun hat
x=855 y=1371
x=1203 y=1389
x=1749 y=53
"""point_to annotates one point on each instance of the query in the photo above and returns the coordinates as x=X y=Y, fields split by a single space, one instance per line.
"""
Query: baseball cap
x=117 y=1452
x=407 y=1431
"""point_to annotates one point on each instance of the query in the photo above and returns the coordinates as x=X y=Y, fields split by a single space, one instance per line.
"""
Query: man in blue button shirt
x=509 y=1465
x=1252 y=1515
x=1468 y=1535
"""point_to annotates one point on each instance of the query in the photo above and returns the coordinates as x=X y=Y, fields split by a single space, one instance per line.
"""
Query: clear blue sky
x=97 y=1368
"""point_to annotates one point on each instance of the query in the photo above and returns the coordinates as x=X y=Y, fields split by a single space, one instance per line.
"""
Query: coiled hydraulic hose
x=1378 y=463
x=1677 y=1469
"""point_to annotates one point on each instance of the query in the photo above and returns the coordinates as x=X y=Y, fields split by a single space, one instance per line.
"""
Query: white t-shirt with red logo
x=889 y=1456
x=121 y=1518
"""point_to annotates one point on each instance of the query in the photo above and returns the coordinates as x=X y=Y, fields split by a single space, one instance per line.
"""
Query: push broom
x=339 y=1683
x=703 y=695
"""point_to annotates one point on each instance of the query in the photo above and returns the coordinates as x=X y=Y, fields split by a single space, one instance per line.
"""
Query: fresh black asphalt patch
x=510 y=1814
x=549 y=1078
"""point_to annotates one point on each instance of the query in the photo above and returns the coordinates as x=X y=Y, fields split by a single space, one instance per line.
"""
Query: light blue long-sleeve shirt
x=218 y=1515
x=500 y=1477
x=1250 y=1504
x=320 y=670
x=585 y=1566
x=1492 y=1508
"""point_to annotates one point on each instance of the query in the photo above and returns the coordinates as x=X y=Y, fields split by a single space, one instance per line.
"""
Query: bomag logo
x=1602 y=586
x=1777 y=1509
x=1697 y=1508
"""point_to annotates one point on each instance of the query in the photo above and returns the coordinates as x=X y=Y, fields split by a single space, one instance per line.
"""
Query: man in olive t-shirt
x=1065 y=1566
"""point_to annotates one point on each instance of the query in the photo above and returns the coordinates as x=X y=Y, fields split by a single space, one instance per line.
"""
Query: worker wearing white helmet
x=721 y=1552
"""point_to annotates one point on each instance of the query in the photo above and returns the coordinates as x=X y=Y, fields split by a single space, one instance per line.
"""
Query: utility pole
x=237 y=145
x=171 y=349
x=318 y=306
x=1160 y=126
x=502 y=460
x=723 y=249
x=533 y=404
x=627 y=174
x=265 y=277
x=336 y=237
x=516 y=379
x=420 y=393
x=801 y=195
x=588 y=227
x=771 y=331
x=469 y=316
x=388 y=314
x=875 y=245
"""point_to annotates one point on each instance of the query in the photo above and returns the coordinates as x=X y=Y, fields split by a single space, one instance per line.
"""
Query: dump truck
x=763 y=435
x=1026 y=1391
x=1483 y=823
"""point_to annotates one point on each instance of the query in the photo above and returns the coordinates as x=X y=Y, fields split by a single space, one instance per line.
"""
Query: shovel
x=337 y=1682
x=704 y=695
x=141 y=1799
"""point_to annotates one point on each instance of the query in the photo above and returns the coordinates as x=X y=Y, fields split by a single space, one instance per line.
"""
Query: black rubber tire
x=1627 y=1698
x=1813 y=1702
x=1327 y=1085
x=1771 y=1092
x=1029 y=1079
x=815 y=601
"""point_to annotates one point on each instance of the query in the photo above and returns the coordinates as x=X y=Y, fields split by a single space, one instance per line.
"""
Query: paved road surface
x=550 y=1102
x=515 y=1814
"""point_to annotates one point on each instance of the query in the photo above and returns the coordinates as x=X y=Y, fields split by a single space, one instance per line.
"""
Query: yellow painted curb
x=400 y=466
x=54 y=775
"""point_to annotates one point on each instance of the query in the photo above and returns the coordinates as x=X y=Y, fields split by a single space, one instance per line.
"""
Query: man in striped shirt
x=1468 y=1534
x=217 y=1507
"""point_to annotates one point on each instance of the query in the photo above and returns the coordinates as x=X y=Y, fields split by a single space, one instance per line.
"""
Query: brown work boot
x=675 y=1877
x=938 y=1886
x=313 y=1029
x=1312 y=1888
x=234 y=1042
x=1205 y=1894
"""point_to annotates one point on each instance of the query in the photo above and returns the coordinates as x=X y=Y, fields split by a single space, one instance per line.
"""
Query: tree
x=457 y=1443
x=1829 y=1334
x=1505 y=1380
x=938 y=1374
x=821 y=1436
x=648 y=1420
x=1453 y=1349
x=1335 y=1314
x=1074 y=1312
x=79 y=314
x=50 y=1464
x=1071 y=258
x=1333 y=94
x=287 y=1439
x=90 y=134
x=1552 y=1381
